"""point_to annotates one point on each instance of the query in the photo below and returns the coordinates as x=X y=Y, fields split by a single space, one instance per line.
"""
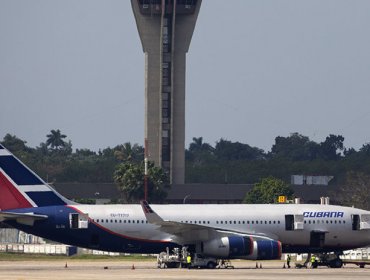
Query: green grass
x=35 y=257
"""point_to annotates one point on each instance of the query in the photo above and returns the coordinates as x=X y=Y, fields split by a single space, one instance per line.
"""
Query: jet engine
x=239 y=247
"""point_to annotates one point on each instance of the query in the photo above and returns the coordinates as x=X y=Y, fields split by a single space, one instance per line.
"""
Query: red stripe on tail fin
x=10 y=197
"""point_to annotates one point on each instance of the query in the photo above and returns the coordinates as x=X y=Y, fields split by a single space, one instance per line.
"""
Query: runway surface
x=55 y=270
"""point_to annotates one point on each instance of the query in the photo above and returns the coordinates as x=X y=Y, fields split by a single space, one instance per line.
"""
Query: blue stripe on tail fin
x=18 y=172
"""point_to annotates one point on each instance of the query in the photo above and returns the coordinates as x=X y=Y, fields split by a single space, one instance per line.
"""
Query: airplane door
x=361 y=222
x=294 y=222
x=317 y=239
x=365 y=221
x=355 y=222
x=289 y=222
x=78 y=221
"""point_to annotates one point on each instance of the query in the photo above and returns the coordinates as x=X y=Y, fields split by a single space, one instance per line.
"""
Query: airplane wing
x=184 y=232
x=22 y=218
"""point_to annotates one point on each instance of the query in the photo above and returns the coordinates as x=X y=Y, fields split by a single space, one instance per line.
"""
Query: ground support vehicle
x=179 y=259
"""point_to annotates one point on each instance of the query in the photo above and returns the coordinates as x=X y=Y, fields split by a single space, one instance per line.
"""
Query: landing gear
x=336 y=263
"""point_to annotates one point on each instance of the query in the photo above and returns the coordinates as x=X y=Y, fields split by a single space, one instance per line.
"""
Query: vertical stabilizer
x=20 y=187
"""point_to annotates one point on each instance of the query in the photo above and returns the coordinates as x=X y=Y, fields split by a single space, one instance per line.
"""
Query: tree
x=55 y=139
x=129 y=177
x=13 y=143
x=356 y=190
x=331 y=147
x=128 y=152
x=268 y=191
x=227 y=150
x=198 y=145
x=296 y=147
x=365 y=149
x=199 y=152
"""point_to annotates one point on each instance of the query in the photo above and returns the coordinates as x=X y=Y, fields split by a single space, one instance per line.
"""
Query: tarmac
x=77 y=269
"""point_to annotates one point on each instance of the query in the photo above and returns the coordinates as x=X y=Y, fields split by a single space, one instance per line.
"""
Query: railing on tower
x=154 y=7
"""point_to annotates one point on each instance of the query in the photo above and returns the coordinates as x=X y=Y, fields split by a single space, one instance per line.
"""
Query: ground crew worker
x=188 y=260
x=313 y=262
x=288 y=261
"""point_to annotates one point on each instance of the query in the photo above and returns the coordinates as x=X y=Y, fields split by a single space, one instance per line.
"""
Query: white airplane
x=225 y=231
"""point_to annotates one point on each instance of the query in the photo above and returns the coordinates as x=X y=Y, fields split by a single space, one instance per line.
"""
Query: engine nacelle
x=266 y=250
x=238 y=247
x=228 y=247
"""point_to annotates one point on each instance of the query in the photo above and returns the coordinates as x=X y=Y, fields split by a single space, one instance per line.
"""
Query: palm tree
x=55 y=139
x=198 y=145
x=128 y=152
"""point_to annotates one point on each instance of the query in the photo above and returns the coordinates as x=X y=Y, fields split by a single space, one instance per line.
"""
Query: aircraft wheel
x=337 y=263
x=211 y=265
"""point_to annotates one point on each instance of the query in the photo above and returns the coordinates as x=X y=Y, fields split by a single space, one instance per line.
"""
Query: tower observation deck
x=165 y=28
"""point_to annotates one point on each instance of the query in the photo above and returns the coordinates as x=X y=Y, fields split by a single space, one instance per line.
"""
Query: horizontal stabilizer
x=21 y=218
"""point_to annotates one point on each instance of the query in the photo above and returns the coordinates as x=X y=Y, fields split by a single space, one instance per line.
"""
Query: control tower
x=165 y=28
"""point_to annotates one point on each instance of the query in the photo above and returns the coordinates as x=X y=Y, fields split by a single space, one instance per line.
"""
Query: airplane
x=223 y=231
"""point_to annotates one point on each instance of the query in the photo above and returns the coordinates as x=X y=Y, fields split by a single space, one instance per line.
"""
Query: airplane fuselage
x=124 y=228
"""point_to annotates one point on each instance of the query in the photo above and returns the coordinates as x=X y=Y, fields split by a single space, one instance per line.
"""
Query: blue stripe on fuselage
x=18 y=172
x=57 y=228
x=47 y=198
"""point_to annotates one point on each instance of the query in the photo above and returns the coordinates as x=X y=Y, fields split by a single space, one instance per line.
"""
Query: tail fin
x=22 y=188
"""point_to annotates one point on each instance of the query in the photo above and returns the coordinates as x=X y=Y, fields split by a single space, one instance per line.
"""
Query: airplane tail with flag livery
x=22 y=188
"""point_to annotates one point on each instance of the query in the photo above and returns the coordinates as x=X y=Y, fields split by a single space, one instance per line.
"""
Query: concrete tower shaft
x=166 y=28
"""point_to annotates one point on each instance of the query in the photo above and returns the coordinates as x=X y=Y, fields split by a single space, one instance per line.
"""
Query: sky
x=256 y=69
